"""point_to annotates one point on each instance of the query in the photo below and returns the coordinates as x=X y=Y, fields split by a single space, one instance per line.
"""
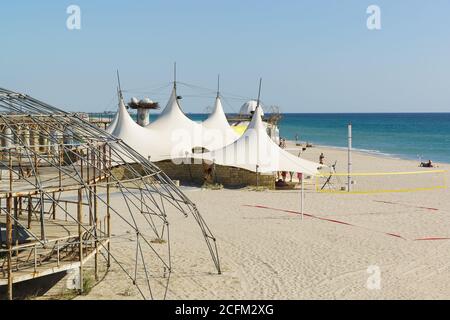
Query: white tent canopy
x=255 y=151
x=113 y=124
x=148 y=142
x=131 y=133
x=173 y=135
x=172 y=117
x=217 y=132
x=176 y=130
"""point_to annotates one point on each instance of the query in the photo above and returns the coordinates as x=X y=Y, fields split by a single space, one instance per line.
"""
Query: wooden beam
x=41 y=216
x=108 y=219
x=60 y=165
x=54 y=206
x=9 y=230
x=94 y=162
x=88 y=167
x=80 y=235
x=96 y=234
x=9 y=241
x=30 y=211
x=16 y=225
x=20 y=206
x=108 y=202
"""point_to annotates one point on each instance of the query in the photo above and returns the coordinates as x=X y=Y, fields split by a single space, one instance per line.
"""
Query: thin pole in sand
x=302 y=197
x=257 y=106
x=257 y=176
x=350 y=138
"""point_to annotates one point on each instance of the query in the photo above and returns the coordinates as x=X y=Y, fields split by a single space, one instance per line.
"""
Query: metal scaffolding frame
x=55 y=165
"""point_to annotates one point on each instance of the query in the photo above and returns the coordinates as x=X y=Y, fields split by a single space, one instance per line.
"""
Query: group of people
x=281 y=182
x=282 y=176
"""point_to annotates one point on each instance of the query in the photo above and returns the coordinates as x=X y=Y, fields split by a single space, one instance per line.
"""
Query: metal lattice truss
x=60 y=170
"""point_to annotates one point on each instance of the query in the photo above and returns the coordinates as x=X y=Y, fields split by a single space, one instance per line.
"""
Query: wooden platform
x=32 y=259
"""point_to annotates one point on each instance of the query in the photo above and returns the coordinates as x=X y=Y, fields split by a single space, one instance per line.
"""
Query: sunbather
x=428 y=164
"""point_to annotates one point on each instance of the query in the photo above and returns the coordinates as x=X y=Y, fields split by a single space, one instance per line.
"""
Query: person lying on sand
x=428 y=164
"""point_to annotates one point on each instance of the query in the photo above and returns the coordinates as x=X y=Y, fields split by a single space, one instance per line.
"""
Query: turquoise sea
x=405 y=135
x=416 y=136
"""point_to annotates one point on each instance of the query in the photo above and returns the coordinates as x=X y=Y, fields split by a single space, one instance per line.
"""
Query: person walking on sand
x=322 y=158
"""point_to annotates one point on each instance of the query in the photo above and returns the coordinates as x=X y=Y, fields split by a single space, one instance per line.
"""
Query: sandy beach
x=273 y=254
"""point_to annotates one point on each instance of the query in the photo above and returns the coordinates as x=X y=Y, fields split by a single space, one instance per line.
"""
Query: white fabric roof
x=131 y=133
x=217 y=132
x=173 y=126
x=113 y=124
x=172 y=135
x=148 y=142
x=172 y=117
x=175 y=131
x=255 y=148
x=250 y=106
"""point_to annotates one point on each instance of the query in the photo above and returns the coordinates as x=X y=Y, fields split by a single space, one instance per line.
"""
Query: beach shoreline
x=376 y=153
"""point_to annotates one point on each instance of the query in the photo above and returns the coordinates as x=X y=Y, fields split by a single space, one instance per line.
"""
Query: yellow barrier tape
x=326 y=184
x=381 y=173
x=384 y=191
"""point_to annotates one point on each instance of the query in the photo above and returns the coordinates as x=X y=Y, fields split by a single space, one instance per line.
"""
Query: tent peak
x=175 y=76
x=218 y=86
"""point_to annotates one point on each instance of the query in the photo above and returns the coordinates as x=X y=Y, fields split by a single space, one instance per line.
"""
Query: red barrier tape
x=407 y=205
x=432 y=239
x=347 y=224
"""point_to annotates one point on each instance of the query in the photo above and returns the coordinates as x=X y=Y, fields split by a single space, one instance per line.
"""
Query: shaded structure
x=180 y=134
x=58 y=176
x=255 y=151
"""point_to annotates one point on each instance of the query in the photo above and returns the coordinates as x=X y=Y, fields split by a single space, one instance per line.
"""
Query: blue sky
x=314 y=56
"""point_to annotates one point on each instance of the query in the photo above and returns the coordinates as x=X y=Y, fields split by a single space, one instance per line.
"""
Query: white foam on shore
x=365 y=151
x=369 y=151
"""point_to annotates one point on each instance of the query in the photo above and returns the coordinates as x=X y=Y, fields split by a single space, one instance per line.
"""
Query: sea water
x=416 y=136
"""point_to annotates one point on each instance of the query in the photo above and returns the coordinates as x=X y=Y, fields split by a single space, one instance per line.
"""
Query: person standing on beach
x=322 y=158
